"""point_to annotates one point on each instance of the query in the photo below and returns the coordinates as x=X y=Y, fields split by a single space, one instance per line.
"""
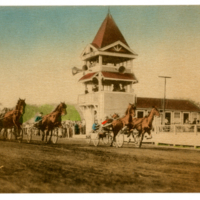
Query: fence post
x=195 y=129
x=174 y=129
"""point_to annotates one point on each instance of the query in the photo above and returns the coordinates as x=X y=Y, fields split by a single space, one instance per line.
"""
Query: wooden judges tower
x=107 y=74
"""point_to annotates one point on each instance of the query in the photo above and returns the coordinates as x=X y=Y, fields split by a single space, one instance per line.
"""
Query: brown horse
x=14 y=118
x=118 y=124
x=51 y=121
x=144 y=125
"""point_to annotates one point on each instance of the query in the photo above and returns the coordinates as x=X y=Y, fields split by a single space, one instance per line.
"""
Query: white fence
x=183 y=135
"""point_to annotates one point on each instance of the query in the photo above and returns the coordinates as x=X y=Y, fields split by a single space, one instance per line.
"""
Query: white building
x=108 y=65
x=176 y=110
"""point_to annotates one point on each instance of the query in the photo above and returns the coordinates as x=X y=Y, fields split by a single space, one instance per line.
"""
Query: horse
x=14 y=118
x=118 y=124
x=144 y=125
x=106 y=125
x=51 y=121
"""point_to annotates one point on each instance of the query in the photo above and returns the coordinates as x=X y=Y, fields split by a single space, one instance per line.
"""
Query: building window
x=177 y=115
x=140 y=114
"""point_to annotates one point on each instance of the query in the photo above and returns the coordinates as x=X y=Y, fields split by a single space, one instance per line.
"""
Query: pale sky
x=40 y=45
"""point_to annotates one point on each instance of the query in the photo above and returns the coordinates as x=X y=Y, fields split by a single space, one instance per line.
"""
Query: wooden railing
x=177 y=128
x=176 y=135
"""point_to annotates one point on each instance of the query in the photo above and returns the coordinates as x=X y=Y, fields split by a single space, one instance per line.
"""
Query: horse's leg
x=50 y=135
x=112 y=139
x=14 y=132
x=18 y=133
x=142 y=135
x=3 y=131
x=45 y=132
x=43 y=135
x=133 y=136
x=150 y=136
x=17 y=126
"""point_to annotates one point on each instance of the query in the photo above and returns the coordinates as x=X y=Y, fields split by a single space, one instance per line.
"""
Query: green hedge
x=32 y=110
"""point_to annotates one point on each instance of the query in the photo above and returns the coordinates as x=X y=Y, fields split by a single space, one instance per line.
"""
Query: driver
x=38 y=117
x=95 y=126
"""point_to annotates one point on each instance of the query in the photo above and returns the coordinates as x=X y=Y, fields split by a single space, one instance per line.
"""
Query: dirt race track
x=73 y=166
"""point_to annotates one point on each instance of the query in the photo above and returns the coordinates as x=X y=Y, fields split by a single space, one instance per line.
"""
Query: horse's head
x=62 y=108
x=156 y=111
x=115 y=116
x=21 y=105
x=131 y=110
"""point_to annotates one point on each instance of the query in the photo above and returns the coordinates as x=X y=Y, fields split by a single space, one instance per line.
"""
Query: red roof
x=118 y=76
x=108 y=33
x=87 y=76
x=170 y=104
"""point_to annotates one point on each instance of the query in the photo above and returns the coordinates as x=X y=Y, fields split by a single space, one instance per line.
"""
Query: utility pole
x=165 y=77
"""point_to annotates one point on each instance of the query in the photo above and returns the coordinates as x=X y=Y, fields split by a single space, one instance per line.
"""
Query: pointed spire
x=108 y=10
x=108 y=33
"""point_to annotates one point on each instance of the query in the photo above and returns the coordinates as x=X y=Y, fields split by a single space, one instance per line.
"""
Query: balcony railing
x=89 y=98
x=94 y=97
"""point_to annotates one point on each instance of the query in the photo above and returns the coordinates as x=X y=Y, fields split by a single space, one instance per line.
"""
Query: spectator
x=80 y=128
x=116 y=87
x=194 y=122
x=187 y=121
x=95 y=88
x=76 y=128
x=84 y=127
x=122 y=89
x=166 y=121
x=86 y=91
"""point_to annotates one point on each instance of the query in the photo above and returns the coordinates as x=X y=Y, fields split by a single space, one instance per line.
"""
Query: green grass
x=32 y=110
x=72 y=114
x=176 y=146
x=162 y=144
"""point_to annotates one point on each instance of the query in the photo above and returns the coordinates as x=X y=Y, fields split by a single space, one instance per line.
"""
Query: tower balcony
x=95 y=67
x=88 y=99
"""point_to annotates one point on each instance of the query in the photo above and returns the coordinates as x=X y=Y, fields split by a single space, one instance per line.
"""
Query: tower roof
x=108 y=33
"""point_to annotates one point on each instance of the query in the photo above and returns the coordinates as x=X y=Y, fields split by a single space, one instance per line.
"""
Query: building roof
x=108 y=33
x=119 y=76
x=87 y=76
x=170 y=104
x=111 y=76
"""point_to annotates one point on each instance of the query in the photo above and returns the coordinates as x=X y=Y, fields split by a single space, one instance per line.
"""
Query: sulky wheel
x=4 y=133
x=106 y=139
x=9 y=134
x=29 y=135
x=88 y=139
x=20 y=137
x=95 y=139
x=119 y=140
x=54 y=137
x=137 y=139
